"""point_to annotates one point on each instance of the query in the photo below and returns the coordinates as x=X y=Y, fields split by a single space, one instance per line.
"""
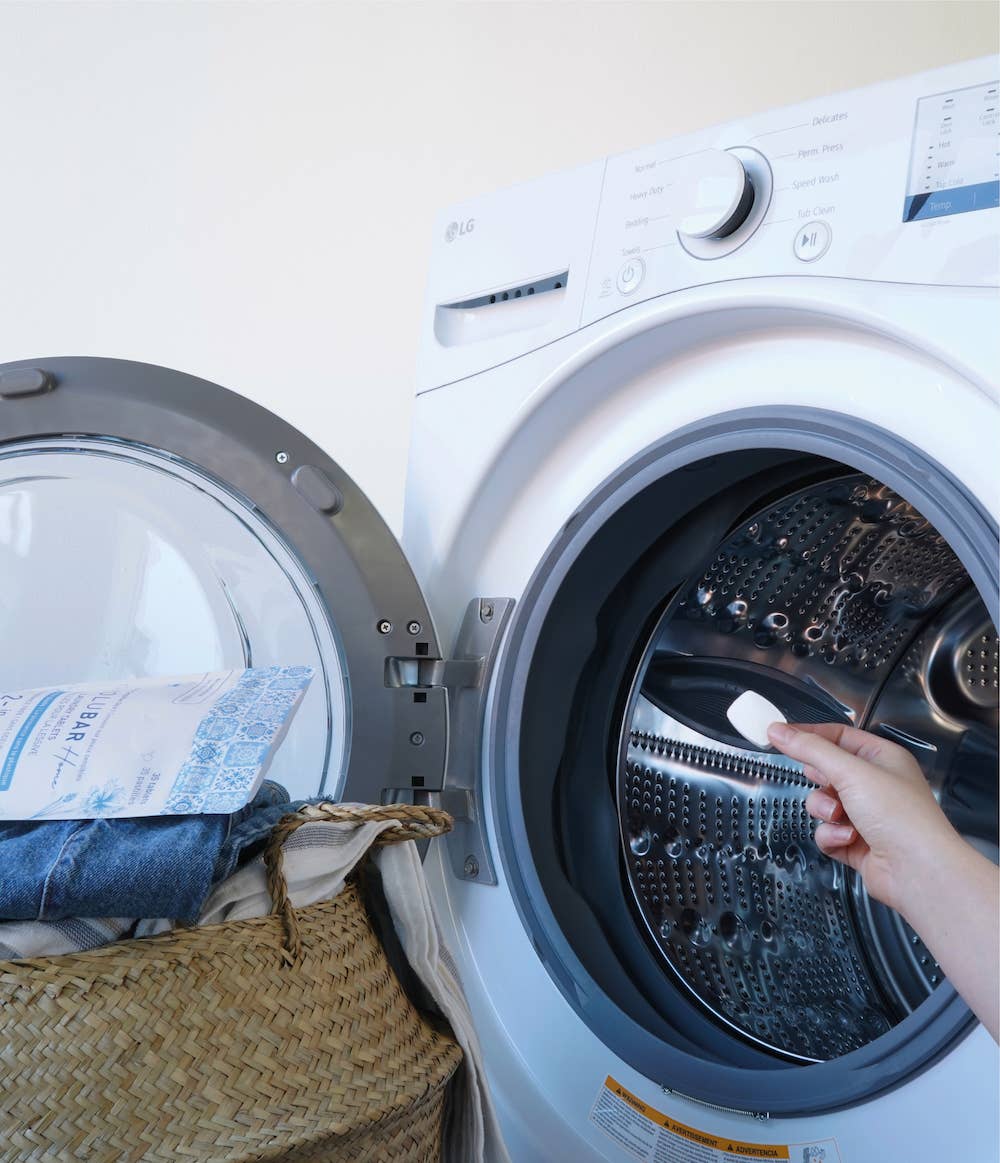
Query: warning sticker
x=651 y=1136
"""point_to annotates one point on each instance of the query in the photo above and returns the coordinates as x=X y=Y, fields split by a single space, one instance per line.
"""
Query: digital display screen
x=954 y=158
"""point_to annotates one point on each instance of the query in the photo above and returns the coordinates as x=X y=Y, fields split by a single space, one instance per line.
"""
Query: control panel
x=897 y=183
x=882 y=184
x=953 y=163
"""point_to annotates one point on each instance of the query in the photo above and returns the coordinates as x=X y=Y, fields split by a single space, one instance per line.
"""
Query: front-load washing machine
x=715 y=414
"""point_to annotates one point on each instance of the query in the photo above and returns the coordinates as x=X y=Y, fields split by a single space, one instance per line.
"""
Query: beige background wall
x=245 y=190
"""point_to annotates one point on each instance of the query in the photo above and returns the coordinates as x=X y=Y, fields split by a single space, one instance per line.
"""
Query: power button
x=630 y=275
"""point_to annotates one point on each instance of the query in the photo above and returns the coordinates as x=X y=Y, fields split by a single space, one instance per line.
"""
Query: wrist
x=929 y=869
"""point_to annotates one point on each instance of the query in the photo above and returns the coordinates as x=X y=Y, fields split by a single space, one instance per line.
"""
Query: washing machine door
x=152 y=523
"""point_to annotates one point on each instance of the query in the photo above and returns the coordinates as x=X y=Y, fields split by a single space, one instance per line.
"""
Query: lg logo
x=457 y=229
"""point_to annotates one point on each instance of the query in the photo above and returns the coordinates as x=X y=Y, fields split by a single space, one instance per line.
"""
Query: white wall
x=245 y=190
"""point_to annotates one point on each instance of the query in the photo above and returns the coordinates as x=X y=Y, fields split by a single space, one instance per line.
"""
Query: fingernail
x=839 y=833
x=780 y=733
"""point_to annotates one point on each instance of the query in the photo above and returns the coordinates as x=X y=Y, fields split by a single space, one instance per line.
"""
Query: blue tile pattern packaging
x=144 y=747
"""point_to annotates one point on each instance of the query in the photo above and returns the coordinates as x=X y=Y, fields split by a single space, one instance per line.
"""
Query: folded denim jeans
x=160 y=866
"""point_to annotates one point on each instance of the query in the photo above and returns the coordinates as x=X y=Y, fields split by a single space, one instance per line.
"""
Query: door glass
x=119 y=562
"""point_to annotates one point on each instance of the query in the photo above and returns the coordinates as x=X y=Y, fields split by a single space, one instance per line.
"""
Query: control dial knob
x=714 y=195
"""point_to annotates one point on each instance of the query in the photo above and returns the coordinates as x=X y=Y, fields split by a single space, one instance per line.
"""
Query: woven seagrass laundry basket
x=286 y=1037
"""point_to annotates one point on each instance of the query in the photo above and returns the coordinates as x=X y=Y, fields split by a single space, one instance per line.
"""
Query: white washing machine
x=684 y=417
x=718 y=413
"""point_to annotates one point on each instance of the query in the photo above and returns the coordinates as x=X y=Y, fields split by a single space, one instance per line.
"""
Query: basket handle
x=415 y=822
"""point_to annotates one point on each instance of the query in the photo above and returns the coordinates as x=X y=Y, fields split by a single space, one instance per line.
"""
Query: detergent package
x=144 y=747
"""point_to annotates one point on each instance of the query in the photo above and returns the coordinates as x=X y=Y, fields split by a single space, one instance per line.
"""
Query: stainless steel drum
x=837 y=603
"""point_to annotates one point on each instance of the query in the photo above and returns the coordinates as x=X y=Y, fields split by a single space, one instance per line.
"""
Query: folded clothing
x=22 y=940
x=161 y=866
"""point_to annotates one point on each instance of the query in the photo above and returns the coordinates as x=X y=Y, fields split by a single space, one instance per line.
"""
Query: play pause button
x=812 y=241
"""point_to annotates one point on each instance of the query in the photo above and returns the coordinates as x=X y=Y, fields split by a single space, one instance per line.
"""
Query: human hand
x=878 y=813
x=880 y=817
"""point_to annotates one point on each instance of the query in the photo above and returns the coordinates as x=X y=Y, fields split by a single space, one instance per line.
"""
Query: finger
x=822 y=806
x=815 y=775
x=851 y=739
x=853 y=855
x=831 y=731
x=832 y=836
x=833 y=764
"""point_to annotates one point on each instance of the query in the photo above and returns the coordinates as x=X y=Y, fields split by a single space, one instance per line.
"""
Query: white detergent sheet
x=144 y=747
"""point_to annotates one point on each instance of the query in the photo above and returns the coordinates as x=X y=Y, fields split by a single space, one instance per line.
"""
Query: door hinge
x=465 y=678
